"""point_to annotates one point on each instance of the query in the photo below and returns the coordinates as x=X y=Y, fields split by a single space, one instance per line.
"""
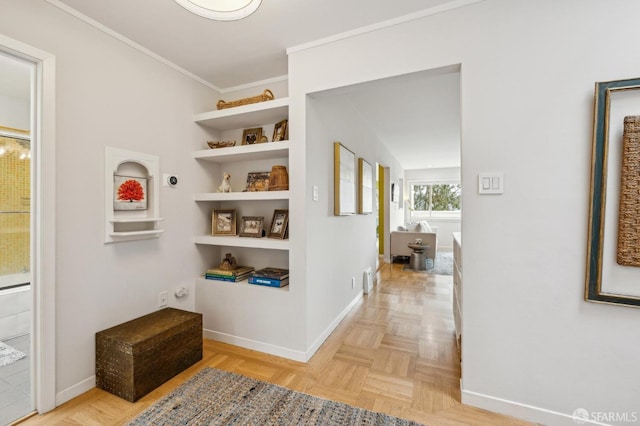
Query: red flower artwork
x=131 y=190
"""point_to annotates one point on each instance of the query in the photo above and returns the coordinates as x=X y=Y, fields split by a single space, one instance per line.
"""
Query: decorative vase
x=278 y=179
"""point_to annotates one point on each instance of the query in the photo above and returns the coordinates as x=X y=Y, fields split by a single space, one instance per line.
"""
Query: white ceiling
x=229 y=54
x=416 y=116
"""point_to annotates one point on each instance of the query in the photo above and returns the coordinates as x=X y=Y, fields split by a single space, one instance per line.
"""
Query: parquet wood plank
x=394 y=352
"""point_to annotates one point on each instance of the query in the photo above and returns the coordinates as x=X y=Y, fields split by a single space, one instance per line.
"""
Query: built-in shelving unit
x=240 y=160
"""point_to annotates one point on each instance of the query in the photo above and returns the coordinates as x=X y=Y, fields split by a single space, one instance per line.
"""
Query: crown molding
x=382 y=25
x=251 y=85
x=84 y=18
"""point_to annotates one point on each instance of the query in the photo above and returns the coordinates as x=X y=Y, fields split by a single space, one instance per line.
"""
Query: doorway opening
x=17 y=79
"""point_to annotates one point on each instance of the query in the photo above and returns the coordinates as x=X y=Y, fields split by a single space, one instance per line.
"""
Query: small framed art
x=365 y=187
x=344 y=178
x=130 y=193
x=279 y=224
x=251 y=136
x=258 y=181
x=251 y=226
x=223 y=222
x=280 y=131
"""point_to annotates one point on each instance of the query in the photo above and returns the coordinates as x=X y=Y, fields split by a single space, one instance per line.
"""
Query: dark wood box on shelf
x=135 y=357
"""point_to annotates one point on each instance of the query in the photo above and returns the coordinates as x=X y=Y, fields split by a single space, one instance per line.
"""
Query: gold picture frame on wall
x=365 y=187
x=344 y=180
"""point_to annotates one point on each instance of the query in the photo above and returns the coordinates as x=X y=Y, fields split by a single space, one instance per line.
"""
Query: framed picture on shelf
x=280 y=131
x=130 y=193
x=258 y=181
x=279 y=224
x=344 y=180
x=223 y=222
x=252 y=226
x=365 y=187
x=251 y=136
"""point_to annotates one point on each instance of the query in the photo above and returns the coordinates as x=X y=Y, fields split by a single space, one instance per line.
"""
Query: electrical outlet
x=353 y=282
x=163 y=299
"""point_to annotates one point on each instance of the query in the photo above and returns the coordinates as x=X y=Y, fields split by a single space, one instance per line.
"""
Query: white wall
x=111 y=95
x=338 y=247
x=532 y=346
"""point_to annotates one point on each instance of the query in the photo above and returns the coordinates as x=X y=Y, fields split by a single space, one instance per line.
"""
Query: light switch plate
x=491 y=183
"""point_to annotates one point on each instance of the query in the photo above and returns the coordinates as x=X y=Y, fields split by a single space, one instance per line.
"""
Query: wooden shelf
x=258 y=151
x=245 y=116
x=242 y=196
x=235 y=241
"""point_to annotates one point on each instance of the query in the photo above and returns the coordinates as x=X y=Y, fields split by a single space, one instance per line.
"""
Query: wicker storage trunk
x=134 y=358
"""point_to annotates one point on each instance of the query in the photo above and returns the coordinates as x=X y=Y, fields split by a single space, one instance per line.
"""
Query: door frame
x=43 y=267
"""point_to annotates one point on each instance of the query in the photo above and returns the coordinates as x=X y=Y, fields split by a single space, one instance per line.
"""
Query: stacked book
x=272 y=277
x=235 y=275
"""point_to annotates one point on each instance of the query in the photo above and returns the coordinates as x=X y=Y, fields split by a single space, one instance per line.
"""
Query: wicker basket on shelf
x=267 y=95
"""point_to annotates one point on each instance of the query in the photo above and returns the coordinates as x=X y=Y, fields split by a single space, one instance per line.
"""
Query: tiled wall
x=14 y=205
x=15 y=195
x=15 y=312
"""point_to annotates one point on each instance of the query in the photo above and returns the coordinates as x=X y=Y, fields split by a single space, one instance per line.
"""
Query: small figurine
x=418 y=241
x=228 y=263
x=225 y=186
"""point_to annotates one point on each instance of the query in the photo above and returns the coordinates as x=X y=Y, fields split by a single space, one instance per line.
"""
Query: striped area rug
x=215 y=397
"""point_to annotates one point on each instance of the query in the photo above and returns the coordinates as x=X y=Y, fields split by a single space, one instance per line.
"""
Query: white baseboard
x=280 y=351
x=256 y=345
x=327 y=332
x=75 y=390
x=523 y=411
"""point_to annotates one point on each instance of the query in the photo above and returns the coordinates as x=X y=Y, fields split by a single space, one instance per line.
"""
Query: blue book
x=268 y=281
x=219 y=278
x=223 y=278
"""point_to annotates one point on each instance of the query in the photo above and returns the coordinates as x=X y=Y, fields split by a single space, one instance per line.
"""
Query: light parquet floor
x=395 y=352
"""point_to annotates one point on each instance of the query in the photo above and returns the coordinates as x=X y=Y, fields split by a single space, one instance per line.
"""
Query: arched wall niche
x=131 y=196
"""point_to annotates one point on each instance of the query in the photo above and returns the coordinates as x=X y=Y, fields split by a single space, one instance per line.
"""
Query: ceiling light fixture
x=221 y=10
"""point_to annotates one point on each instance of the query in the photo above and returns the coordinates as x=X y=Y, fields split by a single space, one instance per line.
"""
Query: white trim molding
x=255 y=345
x=523 y=411
x=44 y=219
x=381 y=25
